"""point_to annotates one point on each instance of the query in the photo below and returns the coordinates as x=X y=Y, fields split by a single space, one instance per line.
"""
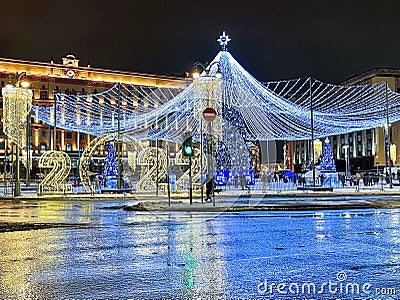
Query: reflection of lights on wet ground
x=320 y=222
x=395 y=230
x=24 y=256
x=137 y=254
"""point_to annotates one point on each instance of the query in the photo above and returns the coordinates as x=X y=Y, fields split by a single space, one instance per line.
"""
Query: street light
x=17 y=102
x=5 y=164
x=387 y=139
x=208 y=94
x=206 y=70
x=346 y=156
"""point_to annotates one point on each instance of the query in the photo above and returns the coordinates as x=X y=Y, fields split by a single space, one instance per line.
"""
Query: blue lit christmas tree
x=222 y=158
x=327 y=162
x=236 y=120
x=111 y=163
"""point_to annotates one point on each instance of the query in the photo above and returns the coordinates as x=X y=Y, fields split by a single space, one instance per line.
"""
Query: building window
x=359 y=152
x=43 y=95
x=44 y=133
x=43 y=146
x=81 y=136
x=68 y=147
x=68 y=135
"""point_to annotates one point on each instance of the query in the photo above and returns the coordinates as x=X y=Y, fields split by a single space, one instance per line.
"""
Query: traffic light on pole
x=187 y=147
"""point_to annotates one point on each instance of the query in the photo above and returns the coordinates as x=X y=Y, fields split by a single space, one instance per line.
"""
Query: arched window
x=43 y=146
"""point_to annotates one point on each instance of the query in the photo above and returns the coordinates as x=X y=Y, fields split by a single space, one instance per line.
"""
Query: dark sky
x=329 y=40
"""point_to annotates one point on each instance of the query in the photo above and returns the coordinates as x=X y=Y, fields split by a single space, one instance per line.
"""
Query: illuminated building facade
x=366 y=148
x=48 y=78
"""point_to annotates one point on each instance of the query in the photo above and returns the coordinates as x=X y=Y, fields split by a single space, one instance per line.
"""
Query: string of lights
x=259 y=111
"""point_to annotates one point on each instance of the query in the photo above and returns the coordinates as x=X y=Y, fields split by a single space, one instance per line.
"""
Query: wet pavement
x=100 y=251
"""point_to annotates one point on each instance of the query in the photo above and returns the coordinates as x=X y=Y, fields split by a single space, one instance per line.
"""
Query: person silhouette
x=209 y=188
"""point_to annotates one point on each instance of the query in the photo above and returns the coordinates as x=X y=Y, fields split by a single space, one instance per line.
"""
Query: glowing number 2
x=60 y=165
x=183 y=181
x=147 y=158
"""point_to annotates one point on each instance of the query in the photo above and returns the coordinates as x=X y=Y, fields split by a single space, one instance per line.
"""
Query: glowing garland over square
x=278 y=110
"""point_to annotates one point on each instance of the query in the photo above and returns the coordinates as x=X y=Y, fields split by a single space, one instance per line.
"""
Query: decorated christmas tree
x=327 y=162
x=111 y=163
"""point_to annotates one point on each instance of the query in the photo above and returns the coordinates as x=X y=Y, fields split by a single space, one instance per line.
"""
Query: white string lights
x=268 y=111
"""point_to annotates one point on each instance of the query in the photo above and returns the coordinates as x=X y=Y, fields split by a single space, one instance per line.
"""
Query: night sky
x=328 y=40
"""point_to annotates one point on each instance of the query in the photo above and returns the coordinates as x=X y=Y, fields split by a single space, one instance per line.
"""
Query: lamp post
x=346 y=157
x=17 y=99
x=5 y=164
x=28 y=149
x=206 y=83
x=119 y=137
x=387 y=140
x=312 y=133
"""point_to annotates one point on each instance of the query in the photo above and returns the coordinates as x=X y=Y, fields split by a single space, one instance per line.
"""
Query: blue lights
x=277 y=110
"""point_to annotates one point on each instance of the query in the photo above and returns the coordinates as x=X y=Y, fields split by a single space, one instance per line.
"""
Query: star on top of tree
x=224 y=40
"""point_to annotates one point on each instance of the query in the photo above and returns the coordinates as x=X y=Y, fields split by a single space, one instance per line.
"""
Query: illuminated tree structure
x=329 y=176
x=327 y=162
x=110 y=170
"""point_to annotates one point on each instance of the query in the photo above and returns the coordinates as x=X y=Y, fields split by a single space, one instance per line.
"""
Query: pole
x=28 y=144
x=55 y=125
x=157 y=167
x=209 y=152
x=312 y=133
x=201 y=160
x=79 y=152
x=168 y=186
x=12 y=169
x=119 y=135
x=5 y=165
x=17 y=191
x=269 y=166
x=190 y=181
x=388 y=141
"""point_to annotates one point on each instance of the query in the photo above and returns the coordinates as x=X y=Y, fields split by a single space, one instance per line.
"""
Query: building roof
x=367 y=77
x=74 y=71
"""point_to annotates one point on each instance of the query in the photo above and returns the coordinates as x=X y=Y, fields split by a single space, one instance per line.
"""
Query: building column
x=364 y=142
x=62 y=140
x=373 y=141
x=338 y=147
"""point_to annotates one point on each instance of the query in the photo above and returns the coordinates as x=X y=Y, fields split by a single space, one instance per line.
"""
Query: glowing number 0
x=60 y=165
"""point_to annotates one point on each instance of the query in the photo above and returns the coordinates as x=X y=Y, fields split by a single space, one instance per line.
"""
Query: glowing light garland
x=269 y=111
x=16 y=106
